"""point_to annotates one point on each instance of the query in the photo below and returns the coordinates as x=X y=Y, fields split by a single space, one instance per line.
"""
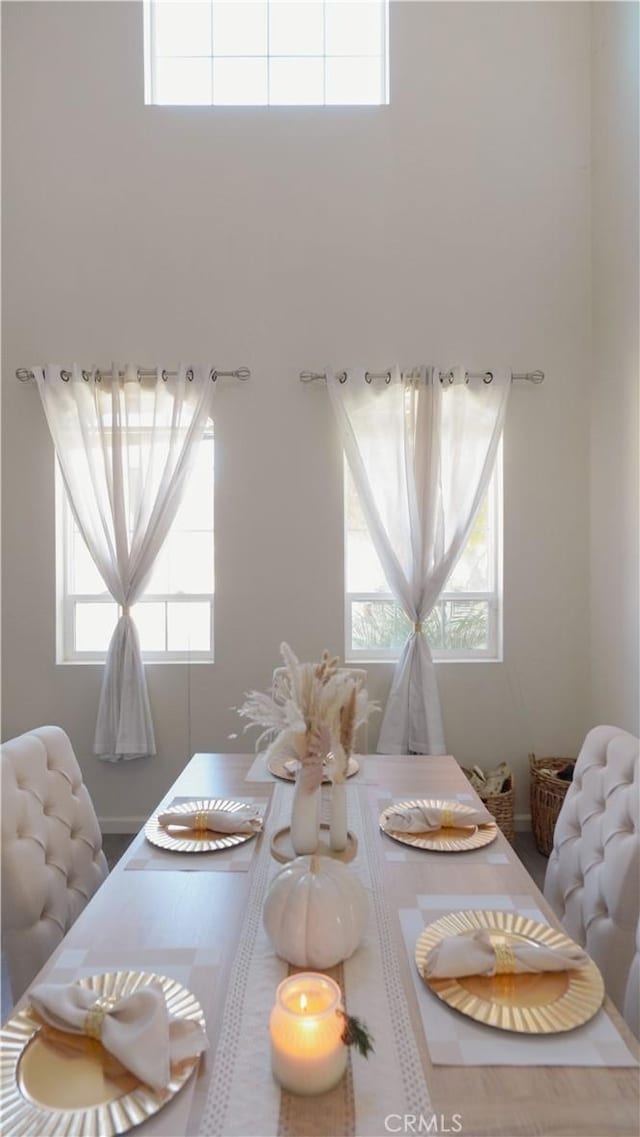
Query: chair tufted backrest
x=358 y=673
x=52 y=859
x=593 y=876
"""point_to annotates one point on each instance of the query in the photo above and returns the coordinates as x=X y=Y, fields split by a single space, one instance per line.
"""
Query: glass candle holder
x=308 y=1055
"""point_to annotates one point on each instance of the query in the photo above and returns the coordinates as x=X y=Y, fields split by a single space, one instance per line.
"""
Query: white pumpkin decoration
x=315 y=912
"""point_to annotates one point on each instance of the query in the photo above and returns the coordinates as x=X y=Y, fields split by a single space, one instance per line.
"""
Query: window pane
x=354 y=28
x=378 y=624
x=150 y=620
x=466 y=625
x=240 y=82
x=84 y=576
x=182 y=82
x=296 y=82
x=190 y=562
x=94 y=626
x=182 y=28
x=159 y=579
x=352 y=81
x=189 y=626
x=239 y=28
x=296 y=28
x=196 y=508
x=473 y=571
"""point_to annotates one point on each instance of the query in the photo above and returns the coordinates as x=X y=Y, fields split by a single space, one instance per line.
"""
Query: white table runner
x=243 y=1099
x=455 y=1040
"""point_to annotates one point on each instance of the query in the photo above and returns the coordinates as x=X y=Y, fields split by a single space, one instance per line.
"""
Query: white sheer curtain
x=125 y=447
x=421 y=454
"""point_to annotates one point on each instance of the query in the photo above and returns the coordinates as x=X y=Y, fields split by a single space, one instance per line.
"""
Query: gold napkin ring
x=505 y=960
x=94 y=1017
x=446 y=819
x=200 y=820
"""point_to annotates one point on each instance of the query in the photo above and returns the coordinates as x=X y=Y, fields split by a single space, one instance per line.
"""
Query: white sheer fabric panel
x=125 y=449
x=421 y=454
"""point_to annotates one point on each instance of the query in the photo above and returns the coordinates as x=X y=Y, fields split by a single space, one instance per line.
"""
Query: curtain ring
x=466 y=378
x=487 y=377
x=190 y=374
x=86 y=375
x=164 y=375
x=65 y=375
x=367 y=377
x=213 y=375
x=388 y=379
x=342 y=377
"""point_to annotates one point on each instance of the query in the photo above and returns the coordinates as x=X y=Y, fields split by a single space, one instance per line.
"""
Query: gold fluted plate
x=180 y=840
x=446 y=840
x=277 y=767
x=547 y=1002
x=61 y=1084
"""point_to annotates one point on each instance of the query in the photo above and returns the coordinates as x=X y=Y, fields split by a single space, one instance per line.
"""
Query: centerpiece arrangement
x=310 y=718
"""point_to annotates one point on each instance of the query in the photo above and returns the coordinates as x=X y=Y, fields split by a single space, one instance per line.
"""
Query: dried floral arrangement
x=311 y=715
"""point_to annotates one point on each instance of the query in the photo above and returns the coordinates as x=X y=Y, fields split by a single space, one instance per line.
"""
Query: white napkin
x=137 y=1030
x=426 y=819
x=245 y=820
x=474 y=954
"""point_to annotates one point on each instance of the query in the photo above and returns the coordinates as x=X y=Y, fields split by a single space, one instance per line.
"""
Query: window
x=466 y=620
x=174 y=616
x=266 y=52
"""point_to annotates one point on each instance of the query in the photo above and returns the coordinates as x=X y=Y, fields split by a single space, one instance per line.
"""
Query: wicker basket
x=500 y=806
x=547 y=793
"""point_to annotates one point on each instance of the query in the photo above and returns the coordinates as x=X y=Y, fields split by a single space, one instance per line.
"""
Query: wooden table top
x=138 y=919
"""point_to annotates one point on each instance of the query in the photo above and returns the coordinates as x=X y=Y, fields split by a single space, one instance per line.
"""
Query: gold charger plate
x=277 y=767
x=180 y=840
x=60 y=1084
x=450 y=840
x=545 y=1003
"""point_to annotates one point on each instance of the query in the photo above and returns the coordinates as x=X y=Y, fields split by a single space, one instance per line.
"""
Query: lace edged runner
x=243 y=1100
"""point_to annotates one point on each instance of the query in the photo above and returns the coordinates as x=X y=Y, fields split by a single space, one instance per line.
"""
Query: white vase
x=305 y=819
x=338 y=831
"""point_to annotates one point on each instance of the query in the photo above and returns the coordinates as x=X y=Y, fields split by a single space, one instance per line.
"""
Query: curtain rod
x=25 y=373
x=444 y=376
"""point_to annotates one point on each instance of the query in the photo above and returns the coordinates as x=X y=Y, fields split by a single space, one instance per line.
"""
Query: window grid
x=76 y=600
x=450 y=603
x=204 y=85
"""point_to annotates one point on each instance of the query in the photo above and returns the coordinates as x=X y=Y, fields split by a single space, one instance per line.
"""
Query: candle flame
x=303 y=1002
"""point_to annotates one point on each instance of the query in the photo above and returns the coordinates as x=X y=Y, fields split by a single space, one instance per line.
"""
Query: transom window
x=174 y=616
x=466 y=620
x=266 y=52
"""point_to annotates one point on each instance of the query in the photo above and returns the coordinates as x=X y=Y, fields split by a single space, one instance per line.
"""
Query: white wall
x=615 y=425
x=452 y=225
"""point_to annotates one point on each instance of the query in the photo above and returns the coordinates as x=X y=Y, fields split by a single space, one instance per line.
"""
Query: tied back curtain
x=125 y=447
x=421 y=455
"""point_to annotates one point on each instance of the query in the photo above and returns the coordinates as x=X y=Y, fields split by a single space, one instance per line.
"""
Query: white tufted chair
x=593 y=875
x=359 y=673
x=631 y=1009
x=52 y=859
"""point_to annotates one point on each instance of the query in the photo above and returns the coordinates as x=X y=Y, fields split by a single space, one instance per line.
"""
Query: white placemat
x=243 y=1099
x=455 y=1040
x=145 y=857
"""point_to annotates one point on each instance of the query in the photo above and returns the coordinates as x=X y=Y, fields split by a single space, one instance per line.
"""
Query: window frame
x=67 y=600
x=494 y=598
x=150 y=57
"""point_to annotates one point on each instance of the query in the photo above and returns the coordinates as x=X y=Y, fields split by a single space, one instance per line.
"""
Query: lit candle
x=308 y=1055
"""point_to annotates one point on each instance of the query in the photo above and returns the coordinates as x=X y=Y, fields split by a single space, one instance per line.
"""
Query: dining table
x=197 y=918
